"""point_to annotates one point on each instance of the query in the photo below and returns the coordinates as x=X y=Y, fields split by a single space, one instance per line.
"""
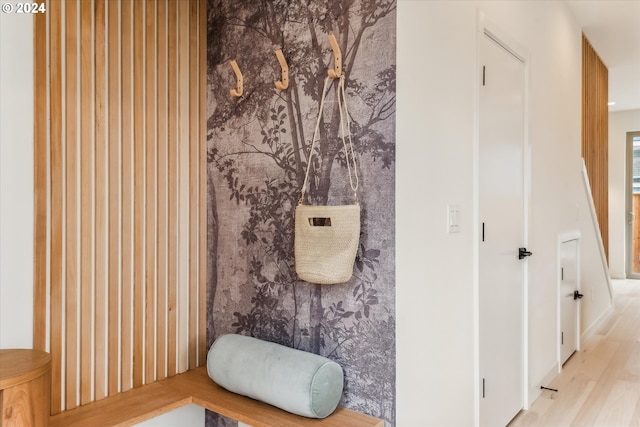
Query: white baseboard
x=535 y=390
x=595 y=325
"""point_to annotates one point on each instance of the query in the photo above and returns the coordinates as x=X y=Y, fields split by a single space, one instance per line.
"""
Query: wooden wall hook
x=284 y=83
x=336 y=72
x=237 y=92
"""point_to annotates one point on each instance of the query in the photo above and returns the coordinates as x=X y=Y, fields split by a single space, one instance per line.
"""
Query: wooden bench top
x=18 y=366
x=195 y=386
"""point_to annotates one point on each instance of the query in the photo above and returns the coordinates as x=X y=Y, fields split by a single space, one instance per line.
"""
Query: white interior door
x=501 y=214
x=568 y=302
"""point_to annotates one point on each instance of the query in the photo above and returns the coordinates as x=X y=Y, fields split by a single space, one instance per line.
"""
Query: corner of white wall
x=16 y=180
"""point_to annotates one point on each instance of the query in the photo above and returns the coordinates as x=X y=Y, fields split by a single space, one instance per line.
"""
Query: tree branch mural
x=258 y=151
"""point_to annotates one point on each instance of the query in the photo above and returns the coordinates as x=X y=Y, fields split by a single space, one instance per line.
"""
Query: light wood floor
x=600 y=385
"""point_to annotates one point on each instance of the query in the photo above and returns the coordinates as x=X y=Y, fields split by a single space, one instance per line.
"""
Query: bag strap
x=351 y=160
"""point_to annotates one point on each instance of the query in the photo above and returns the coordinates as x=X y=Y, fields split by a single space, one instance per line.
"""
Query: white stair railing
x=596 y=227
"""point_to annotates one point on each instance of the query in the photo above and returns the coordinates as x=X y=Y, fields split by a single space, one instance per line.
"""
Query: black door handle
x=523 y=252
x=577 y=295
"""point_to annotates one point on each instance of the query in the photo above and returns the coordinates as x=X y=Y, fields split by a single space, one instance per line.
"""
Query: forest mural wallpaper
x=258 y=147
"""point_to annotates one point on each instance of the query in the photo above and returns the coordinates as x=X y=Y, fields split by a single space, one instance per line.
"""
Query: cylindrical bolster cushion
x=299 y=382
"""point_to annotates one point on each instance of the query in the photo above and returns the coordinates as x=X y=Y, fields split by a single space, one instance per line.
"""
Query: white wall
x=16 y=181
x=434 y=283
x=620 y=123
x=436 y=371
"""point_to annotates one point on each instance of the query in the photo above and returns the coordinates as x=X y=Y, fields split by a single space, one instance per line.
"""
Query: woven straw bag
x=327 y=237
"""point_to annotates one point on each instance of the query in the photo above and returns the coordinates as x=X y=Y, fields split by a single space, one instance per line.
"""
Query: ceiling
x=613 y=28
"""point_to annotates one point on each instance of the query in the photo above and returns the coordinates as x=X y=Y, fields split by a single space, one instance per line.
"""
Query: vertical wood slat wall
x=120 y=190
x=595 y=133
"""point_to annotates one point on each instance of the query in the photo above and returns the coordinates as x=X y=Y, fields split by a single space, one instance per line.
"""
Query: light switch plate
x=453 y=218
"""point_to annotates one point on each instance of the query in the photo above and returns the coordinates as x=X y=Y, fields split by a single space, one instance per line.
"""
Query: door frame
x=484 y=28
x=629 y=219
x=564 y=238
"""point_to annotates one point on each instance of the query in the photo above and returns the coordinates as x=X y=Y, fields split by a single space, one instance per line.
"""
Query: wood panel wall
x=595 y=133
x=120 y=191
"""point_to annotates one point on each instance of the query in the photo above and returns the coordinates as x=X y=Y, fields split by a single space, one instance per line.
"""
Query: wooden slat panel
x=194 y=148
x=202 y=183
x=595 y=133
x=113 y=13
x=150 y=204
x=56 y=172
x=71 y=201
x=172 y=130
x=86 y=196
x=183 y=185
x=101 y=238
x=603 y=139
x=40 y=183
x=161 y=352
x=127 y=195
x=138 y=193
x=127 y=243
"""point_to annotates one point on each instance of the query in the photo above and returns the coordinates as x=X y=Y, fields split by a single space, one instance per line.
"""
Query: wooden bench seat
x=195 y=386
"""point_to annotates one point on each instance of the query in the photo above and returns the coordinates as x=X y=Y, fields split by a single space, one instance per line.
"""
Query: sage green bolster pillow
x=297 y=381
